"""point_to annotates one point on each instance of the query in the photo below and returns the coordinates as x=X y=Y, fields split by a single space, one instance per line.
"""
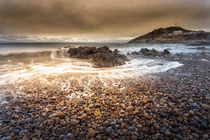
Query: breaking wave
x=54 y=70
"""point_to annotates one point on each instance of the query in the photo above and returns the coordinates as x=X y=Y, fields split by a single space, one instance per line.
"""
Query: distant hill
x=172 y=35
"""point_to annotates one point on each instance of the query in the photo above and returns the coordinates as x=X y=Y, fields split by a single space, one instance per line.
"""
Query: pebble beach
x=169 y=105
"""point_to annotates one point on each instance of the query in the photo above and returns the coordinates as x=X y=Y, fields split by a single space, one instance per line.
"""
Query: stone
x=166 y=52
x=97 y=105
x=123 y=125
x=134 y=138
x=25 y=138
x=61 y=137
x=22 y=132
x=179 y=137
x=113 y=123
x=98 y=137
x=205 y=136
x=129 y=108
x=191 y=112
x=74 y=122
x=165 y=123
x=131 y=128
x=6 y=138
x=145 y=100
x=197 y=118
x=205 y=106
x=35 y=139
x=50 y=122
x=194 y=104
x=29 y=120
x=175 y=112
x=156 y=126
x=109 y=130
x=204 y=125
x=91 y=133
x=70 y=136
x=145 y=114
x=167 y=132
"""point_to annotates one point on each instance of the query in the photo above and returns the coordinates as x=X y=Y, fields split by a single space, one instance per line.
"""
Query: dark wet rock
x=151 y=52
x=166 y=52
x=101 y=57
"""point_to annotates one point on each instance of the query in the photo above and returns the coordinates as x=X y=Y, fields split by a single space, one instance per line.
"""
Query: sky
x=96 y=20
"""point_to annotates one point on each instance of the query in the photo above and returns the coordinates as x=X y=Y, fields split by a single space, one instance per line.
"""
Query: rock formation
x=101 y=57
x=151 y=53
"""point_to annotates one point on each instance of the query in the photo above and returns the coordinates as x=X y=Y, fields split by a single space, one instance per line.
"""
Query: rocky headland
x=174 y=35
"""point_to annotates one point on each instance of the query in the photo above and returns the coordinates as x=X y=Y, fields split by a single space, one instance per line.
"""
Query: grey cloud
x=99 y=17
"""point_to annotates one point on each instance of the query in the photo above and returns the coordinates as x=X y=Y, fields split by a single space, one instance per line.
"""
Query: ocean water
x=29 y=66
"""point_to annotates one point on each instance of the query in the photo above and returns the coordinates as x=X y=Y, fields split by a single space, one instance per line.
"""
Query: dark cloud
x=100 y=17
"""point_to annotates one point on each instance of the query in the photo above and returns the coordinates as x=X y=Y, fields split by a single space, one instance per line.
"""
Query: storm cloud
x=104 y=18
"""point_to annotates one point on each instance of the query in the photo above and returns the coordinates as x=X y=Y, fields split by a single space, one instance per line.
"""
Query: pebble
x=204 y=125
x=113 y=123
x=194 y=104
x=131 y=128
x=129 y=108
x=167 y=132
x=29 y=120
x=205 y=106
x=91 y=105
x=97 y=105
x=6 y=138
x=74 y=122
x=25 y=138
x=91 y=133
x=109 y=130
x=22 y=132
x=173 y=106
x=61 y=137
x=205 y=136
x=156 y=126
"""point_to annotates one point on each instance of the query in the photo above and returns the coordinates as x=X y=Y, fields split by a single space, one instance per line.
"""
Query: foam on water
x=58 y=72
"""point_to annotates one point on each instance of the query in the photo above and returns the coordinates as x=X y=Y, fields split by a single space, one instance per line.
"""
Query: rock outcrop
x=151 y=53
x=101 y=57
x=172 y=35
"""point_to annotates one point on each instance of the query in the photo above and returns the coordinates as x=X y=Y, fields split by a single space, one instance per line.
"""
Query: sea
x=48 y=65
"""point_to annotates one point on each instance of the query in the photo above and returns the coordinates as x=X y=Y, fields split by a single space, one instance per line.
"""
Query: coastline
x=170 y=105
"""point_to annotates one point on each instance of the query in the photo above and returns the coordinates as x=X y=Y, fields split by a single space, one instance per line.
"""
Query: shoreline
x=168 y=105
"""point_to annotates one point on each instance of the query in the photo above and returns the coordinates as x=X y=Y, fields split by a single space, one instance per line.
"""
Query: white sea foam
x=59 y=72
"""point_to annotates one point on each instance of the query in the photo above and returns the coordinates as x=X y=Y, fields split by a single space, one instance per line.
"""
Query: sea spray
x=54 y=71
